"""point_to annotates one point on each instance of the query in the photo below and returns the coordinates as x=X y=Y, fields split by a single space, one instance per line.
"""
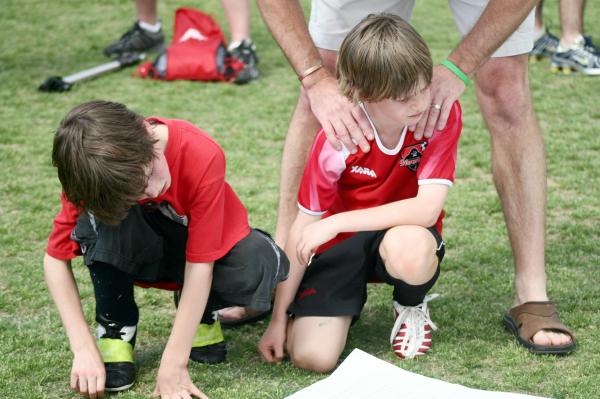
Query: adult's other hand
x=343 y=122
x=446 y=88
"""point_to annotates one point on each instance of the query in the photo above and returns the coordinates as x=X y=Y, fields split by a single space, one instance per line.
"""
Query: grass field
x=471 y=347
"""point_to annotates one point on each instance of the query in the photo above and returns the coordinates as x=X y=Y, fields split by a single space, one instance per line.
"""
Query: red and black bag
x=197 y=52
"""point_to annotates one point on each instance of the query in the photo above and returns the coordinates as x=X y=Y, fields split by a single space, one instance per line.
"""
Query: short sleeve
x=318 y=188
x=60 y=245
x=217 y=218
x=438 y=164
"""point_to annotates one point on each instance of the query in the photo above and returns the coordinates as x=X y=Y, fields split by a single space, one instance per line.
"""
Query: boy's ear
x=148 y=127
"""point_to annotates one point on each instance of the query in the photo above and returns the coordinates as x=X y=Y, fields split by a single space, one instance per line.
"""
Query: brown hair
x=102 y=151
x=383 y=57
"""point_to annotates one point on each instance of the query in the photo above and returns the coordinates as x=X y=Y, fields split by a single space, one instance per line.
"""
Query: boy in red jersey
x=145 y=202
x=368 y=216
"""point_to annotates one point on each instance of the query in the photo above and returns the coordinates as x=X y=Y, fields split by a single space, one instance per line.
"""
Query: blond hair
x=383 y=57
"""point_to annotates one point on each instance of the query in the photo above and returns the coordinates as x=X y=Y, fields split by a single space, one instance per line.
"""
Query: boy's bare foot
x=237 y=315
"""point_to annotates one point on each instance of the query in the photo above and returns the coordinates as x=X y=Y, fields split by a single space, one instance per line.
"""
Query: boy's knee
x=410 y=265
x=314 y=359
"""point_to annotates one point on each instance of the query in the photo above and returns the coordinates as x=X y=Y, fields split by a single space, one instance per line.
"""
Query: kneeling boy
x=145 y=202
x=368 y=216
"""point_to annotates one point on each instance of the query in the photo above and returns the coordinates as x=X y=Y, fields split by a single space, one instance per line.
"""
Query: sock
x=154 y=28
x=238 y=43
x=412 y=295
x=577 y=43
x=233 y=45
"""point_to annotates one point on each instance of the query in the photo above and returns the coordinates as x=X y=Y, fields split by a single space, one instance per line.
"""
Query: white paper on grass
x=363 y=376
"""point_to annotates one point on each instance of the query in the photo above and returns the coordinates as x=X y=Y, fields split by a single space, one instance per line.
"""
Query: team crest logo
x=411 y=155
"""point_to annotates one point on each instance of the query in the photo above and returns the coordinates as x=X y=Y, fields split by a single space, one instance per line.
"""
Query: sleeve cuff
x=444 y=182
x=309 y=212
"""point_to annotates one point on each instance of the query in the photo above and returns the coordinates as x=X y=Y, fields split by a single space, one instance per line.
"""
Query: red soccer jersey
x=216 y=218
x=337 y=181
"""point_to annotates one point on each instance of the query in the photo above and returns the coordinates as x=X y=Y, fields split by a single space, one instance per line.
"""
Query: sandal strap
x=532 y=317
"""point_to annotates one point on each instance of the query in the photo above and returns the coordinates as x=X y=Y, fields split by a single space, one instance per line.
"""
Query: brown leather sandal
x=527 y=319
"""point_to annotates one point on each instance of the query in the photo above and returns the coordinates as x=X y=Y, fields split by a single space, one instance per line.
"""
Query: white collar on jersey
x=384 y=149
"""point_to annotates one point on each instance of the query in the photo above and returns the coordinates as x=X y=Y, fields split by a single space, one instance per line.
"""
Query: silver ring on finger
x=437 y=106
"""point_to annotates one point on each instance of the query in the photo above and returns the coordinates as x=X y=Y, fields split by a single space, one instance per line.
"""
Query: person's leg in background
x=241 y=45
x=302 y=130
x=145 y=35
x=545 y=43
x=575 y=52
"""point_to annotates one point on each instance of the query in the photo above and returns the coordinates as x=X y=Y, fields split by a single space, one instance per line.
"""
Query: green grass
x=57 y=38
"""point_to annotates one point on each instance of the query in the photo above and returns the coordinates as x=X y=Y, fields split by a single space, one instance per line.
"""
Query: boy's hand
x=272 y=342
x=175 y=383
x=313 y=235
x=88 y=374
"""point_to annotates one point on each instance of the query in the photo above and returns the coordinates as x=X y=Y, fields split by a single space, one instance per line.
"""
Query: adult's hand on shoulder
x=342 y=121
x=446 y=88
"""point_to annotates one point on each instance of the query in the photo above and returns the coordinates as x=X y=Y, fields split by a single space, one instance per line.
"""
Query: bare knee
x=414 y=261
x=503 y=91
x=314 y=359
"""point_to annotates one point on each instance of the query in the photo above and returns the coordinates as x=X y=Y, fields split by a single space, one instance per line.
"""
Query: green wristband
x=456 y=70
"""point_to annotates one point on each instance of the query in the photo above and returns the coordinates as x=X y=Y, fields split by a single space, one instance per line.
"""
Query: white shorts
x=331 y=20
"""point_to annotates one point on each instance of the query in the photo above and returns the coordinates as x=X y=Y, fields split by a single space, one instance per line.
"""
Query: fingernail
x=353 y=151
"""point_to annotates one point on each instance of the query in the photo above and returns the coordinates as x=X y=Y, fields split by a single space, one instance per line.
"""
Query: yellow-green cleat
x=209 y=344
x=116 y=343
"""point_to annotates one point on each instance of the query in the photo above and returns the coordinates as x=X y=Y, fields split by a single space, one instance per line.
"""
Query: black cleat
x=209 y=343
x=580 y=58
x=136 y=40
x=209 y=354
x=116 y=343
x=245 y=51
x=544 y=47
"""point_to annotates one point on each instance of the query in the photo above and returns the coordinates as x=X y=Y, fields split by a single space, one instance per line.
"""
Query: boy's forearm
x=194 y=295
x=63 y=289
x=286 y=290
x=422 y=210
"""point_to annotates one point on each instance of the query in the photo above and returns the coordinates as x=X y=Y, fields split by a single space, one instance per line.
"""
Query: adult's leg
x=147 y=11
x=302 y=130
x=519 y=170
x=238 y=17
x=571 y=21
x=316 y=343
x=539 y=18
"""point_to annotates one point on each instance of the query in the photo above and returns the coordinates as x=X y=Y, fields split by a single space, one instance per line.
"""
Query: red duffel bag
x=197 y=52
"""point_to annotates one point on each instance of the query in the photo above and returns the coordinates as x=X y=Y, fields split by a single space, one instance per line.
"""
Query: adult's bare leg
x=539 y=18
x=147 y=11
x=519 y=169
x=571 y=21
x=298 y=141
x=238 y=17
